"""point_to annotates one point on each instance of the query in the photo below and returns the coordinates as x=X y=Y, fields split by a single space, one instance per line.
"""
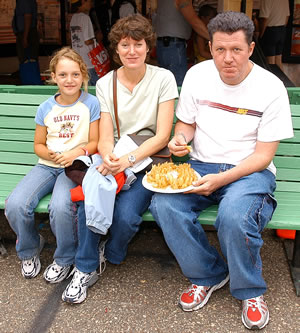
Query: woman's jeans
x=129 y=208
x=173 y=57
x=19 y=211
x=245 y=207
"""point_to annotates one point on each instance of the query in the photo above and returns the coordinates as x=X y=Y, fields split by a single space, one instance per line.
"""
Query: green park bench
x=18 y=106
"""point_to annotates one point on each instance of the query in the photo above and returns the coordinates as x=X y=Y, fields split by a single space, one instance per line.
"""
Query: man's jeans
x=174 y=58
x=19 y=210
x=245 y=207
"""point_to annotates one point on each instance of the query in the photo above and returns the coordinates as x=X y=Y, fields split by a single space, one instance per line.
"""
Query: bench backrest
x=17 y=112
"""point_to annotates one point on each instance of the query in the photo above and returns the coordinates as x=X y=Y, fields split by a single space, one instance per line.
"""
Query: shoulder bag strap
x=116 y=101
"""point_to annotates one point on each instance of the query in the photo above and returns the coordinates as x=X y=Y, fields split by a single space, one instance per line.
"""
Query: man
x=173 y=25
x=274 y=15
x=25 y=28
x=235 y=113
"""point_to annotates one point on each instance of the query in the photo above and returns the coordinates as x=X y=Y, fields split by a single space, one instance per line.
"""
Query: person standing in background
x=274 y=15
x=82 y=34
x=24 y=25
x=122 y=8
x=201 y=47
x=173 y=24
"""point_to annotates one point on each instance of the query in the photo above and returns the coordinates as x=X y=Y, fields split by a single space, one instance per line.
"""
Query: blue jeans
x=19 y=210
x=245 y=207
x=129 y=208
x=93 y=77
x=174 y=58
x=87 y=255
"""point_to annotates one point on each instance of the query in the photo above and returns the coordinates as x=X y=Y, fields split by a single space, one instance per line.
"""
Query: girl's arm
x=40 y=147
x=66 y=158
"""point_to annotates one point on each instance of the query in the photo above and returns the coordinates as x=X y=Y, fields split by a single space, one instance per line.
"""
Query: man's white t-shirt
x=82 y=30
x=231 y=119
x=137 y=109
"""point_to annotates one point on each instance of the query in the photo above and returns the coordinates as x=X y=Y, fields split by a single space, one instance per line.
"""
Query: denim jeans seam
x=246 y=222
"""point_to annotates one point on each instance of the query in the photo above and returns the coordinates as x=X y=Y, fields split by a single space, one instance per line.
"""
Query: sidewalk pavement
x=140 y=295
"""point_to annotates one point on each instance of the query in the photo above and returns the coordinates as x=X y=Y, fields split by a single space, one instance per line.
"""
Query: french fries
x=177 y=176
x=189 y=148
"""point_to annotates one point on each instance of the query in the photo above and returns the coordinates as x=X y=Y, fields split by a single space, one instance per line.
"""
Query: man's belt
x=171 y=39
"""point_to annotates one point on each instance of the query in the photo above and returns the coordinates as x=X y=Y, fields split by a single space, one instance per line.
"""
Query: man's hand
x=206 y=185
x=178 y=145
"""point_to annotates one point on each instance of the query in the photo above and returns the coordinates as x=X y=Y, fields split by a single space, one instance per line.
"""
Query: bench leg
x=3 y=251
x=294 y=261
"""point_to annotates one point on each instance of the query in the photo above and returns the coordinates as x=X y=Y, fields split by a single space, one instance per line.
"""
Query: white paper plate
x=168 y=189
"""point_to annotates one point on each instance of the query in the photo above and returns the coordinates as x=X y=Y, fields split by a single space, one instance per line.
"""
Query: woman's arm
x=151 y=146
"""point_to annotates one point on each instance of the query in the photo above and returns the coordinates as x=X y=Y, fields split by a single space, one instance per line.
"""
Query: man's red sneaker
x=255 y=313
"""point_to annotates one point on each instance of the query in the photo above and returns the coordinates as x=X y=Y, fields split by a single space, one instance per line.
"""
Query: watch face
x=131 y=159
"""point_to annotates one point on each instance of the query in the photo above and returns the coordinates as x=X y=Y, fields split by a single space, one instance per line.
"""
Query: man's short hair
x=231 y=22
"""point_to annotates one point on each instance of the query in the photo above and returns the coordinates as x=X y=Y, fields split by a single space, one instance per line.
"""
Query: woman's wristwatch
x=131 y=159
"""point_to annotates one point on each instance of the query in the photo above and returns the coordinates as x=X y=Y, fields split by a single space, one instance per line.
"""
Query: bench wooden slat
x=18 y=158
x=295 y=110
x=17 y=134
x=15 y=146
x=288 y=174
x=288 y=149
x=18 y=110
x=21 y=123
x=21 y=99
x=14 y=169
x=290 y=162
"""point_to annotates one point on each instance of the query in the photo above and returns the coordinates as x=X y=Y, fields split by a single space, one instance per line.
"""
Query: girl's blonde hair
x=68 y=53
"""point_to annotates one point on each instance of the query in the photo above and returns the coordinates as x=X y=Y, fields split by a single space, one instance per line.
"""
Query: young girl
x=66 y=127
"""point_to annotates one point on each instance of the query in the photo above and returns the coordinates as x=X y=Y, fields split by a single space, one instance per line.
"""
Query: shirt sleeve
x=265 y=8
x=276 y=123
x=169 y=88
x=88 y=30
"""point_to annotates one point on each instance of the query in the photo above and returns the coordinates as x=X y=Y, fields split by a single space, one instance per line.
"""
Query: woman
x=145 y=96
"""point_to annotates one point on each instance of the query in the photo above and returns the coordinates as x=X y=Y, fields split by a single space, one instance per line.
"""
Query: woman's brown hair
x=136 y=27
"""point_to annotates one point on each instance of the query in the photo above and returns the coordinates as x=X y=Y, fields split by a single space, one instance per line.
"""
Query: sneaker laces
x=102 y=259
x=57 y=268
x=78 y=275
x=197 y=291
x=28 y=262
x=254 y=303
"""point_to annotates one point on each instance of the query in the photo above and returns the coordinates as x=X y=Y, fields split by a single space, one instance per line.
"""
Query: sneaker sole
x=92 y=281
x=212 y=289
x=255 y=327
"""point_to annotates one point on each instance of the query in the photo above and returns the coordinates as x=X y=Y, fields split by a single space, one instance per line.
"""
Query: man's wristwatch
x=131 y=159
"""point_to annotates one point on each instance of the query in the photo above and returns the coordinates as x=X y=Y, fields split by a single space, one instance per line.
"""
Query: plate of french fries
x=170 y=178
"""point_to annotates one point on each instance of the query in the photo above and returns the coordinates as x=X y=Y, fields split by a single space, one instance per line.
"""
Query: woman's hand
x=110 y=165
